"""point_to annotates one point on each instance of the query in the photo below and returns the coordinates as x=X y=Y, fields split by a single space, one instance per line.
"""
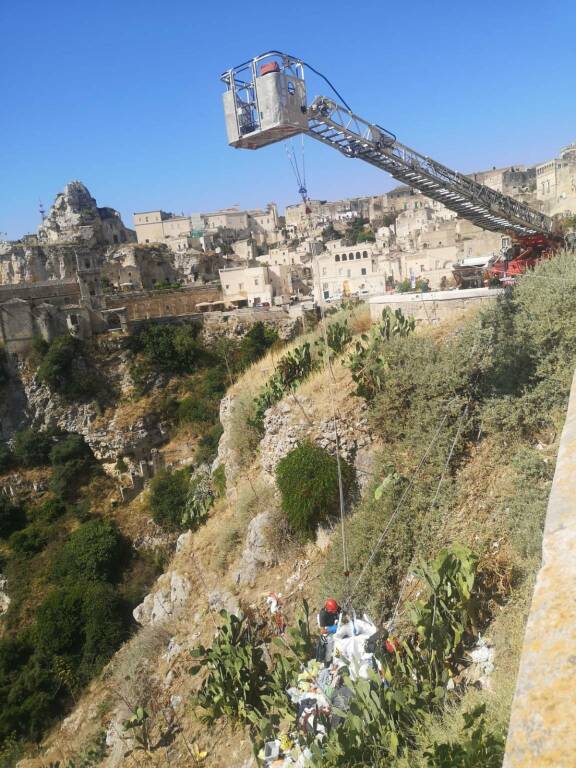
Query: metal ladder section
x=336 y=126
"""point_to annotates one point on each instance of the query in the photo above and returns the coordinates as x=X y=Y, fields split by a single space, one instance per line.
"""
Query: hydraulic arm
x=266 y=102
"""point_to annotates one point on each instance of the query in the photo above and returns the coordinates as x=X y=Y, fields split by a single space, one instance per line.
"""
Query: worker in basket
x=328 y=619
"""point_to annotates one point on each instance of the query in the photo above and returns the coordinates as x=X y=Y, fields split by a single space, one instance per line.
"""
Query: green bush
x=421 y=285
x=96 y=551
x=65 y=369
x=256 y=343
x=169 y=348
x=31 y=448
x=308 y=482
x=28 y=541
x=49 y=510
x=70 y=448
x=72 y=462
x=168 y=494
x=12 y=516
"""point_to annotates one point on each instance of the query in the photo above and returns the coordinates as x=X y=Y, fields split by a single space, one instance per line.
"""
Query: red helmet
x=331 y=605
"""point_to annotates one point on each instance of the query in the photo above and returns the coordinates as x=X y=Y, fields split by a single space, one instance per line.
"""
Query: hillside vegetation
x=443 y=531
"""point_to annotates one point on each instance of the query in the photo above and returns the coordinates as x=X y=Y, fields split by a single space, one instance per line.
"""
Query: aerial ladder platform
x=266 y=102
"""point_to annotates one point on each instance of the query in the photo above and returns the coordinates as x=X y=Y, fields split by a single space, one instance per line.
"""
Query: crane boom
x=266 y=102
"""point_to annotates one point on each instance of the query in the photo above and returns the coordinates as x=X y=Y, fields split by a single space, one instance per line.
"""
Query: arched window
x=337 y=257
x=344 y=257
x=364 y=254
x=350 y=256
x=357 y=254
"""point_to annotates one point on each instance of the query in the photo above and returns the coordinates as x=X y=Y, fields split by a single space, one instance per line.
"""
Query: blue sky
x=126 y=95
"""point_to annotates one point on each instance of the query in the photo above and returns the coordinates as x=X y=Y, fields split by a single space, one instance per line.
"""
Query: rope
x=398 y=506
x=440 y=481
x=332 y=383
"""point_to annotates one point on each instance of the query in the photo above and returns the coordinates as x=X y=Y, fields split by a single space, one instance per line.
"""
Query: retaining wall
x=542 y=732
x=433 y=306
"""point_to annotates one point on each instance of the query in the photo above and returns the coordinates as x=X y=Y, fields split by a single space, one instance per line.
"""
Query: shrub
x=31 y=448
x=256 y=343
x=70 y=448
x=49 y=510
x=168 y=495
x=12 y=516
x=72 y=462
x=308 y=482
x=96 y=551
x=65 y=369
x=420 y=286
x=169 y=348
x=28 y=541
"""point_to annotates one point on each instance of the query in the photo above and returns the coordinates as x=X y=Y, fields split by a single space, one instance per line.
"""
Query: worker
x=328 y=617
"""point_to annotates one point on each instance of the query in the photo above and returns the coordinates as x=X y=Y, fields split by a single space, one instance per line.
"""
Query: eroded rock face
x=227 y=455
x=257 y=551
x=108 y=441
x=292 y=420
x=166 y=601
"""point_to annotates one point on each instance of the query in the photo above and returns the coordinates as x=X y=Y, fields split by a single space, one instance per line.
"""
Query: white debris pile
x=320 y=689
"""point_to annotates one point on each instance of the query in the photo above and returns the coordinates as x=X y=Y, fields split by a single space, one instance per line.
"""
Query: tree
x=307 y=478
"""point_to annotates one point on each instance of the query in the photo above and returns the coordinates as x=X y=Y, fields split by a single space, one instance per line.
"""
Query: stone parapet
x=542 y=732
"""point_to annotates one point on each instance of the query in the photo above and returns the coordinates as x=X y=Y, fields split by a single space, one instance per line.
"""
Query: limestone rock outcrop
x=257 y=551
x=76 y=216
x=293 y=420
x=166 y=601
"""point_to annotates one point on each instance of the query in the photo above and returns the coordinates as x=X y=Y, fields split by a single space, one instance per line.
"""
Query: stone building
x=251 y=286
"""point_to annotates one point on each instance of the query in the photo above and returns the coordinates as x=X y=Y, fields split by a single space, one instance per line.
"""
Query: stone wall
x=151 y=305
x=433 y=306
x=542 y=732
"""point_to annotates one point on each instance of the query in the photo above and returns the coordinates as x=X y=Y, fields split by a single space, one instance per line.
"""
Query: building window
x=255 y=281
x=337 y=257
x=363 y=271
x=358 y=255
x=364 y=254
x=227 y=287
x=147 y=241
x=324 y=286
x=422 y=268
x=323 y=270
x=240 y=286
x=350 y=256
x=344 y=257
